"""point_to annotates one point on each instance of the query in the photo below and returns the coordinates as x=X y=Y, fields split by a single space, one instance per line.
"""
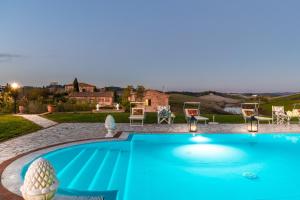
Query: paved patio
x=67 y=132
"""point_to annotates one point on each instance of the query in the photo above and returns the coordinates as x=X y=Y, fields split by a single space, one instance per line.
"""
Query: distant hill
x=219 y=99
x=214 y=102
x=210 y=103
x=114 y=88
x=273 y=94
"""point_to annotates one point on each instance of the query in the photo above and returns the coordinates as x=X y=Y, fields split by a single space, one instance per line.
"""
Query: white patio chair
x=295 y=113
x=164 y=114
x=279 y=116
x=137 y=114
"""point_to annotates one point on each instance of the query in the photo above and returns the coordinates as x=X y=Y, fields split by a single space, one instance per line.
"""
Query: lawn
x=13 y=126
x=287 y=101
x=123 y=117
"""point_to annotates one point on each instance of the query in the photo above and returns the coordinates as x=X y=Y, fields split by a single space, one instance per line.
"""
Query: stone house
x=83 y=87
x=102 y=98
x=152 y=99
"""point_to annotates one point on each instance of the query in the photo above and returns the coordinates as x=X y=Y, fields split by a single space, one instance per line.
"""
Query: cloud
x=7 y=57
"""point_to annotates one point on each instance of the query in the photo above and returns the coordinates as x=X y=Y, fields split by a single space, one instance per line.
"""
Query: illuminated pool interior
x=182 y=166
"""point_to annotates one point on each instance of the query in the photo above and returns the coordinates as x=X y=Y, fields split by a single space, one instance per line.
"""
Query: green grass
x=287 y=102
x=123 y=117
x=13 y=126
x=176 y=101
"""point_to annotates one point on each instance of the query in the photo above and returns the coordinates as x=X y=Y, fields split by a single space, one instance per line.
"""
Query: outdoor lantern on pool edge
x=253 y=125
x=193 y=124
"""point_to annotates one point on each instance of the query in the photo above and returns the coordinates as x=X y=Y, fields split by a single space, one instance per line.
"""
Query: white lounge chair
x=279 y=116
x=193 y=109
x=137 y=114
x=247 y=113
x=251 y=110
x=164 y=114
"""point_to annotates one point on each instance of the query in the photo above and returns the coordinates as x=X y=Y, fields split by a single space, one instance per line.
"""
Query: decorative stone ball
x=40 y=181
x=110 y=123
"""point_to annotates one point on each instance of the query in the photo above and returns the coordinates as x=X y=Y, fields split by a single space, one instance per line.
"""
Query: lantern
x=253 y=125
x=193 y=124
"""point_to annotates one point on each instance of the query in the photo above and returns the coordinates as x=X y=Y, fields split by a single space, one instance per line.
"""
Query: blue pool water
x=183 y=166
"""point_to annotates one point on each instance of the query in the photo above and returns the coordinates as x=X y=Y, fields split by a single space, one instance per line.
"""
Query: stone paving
x=67 y=132
x=43 y=122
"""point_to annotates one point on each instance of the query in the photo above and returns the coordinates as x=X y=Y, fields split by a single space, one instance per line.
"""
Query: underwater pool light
x=200 y=139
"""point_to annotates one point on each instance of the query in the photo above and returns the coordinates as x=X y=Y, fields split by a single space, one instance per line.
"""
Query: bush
x=73 y=106
x=36 y=107
x=6 y=103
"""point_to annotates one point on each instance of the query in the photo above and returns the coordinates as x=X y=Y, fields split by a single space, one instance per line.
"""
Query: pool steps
x=102 y=178
x=67 y=173
x=80 y=175
x=97 y=169
x=119 y=175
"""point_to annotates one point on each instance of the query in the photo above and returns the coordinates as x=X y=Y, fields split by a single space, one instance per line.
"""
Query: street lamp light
x=15 y=86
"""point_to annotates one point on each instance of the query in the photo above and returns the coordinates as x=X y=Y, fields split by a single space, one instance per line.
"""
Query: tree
x=6 y=101
x=75 y=85
x=140 y=92
x=125 y=97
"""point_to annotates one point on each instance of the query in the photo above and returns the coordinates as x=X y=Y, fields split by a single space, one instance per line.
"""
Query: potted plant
x=51 y=107
x=22 y=104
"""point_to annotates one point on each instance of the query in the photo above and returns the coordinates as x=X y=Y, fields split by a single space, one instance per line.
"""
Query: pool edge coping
x=6 y=193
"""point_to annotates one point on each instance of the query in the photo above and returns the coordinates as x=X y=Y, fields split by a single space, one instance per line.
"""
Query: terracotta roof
x=91 y=94
x=81 y=85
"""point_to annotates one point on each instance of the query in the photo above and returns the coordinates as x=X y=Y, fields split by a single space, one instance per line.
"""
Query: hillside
x=214 y=104
x=287 y=101
x=210 y=103
x=219 y=99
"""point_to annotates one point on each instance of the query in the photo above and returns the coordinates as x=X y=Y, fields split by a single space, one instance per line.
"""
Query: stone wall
x=154 y=99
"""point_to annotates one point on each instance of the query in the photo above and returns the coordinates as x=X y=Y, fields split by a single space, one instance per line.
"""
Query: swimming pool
x=182 y=166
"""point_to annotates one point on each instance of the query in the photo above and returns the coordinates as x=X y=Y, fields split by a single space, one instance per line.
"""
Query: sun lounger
x=253 y=112
x=189 y=112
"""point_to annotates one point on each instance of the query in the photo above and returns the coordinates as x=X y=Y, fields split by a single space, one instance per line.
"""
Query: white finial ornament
x=40 y=181
x=110 y=125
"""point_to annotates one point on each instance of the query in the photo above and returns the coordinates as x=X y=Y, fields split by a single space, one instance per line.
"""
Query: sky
x=227 y=46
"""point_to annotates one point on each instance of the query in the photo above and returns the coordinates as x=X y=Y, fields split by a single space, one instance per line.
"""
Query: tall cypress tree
x=75 y=85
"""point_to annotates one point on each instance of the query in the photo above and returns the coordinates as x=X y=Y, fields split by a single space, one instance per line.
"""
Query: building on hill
x=54 y=87
x=152 y=99
x=83 y=87
x=101 y=98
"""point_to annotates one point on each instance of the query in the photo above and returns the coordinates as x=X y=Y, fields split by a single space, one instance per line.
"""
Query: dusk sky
x=232 y=45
